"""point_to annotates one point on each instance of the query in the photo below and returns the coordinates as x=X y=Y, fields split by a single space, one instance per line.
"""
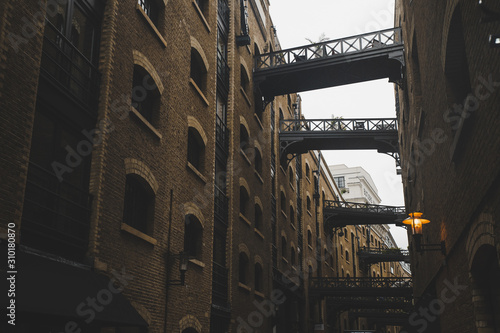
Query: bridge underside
x=302 y=142
x=348 y=303
x=330 y=72
x=384 y=258
x=341 y=218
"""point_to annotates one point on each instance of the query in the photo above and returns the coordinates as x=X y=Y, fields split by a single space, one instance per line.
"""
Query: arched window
x=193 y=237
x=259 y=283
x=292 y=256
x=283 y=202
x=347 y=255
x=198 y=71
x=258 y=161
x=283 y=247
x=152 y=9
x=292 y=216
x=244 y=80
x=309 y=237
x=145 y=94
x=258 y=217
x=203 y=6
x=290 y=176
x=244 y=139
x=244 y=201
x=139 y=204
x=308 y=171
x=243 y=268
x=196 y=149
x=308 y=203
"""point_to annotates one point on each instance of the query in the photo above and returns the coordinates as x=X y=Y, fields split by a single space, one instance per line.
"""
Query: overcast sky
x=299 y=20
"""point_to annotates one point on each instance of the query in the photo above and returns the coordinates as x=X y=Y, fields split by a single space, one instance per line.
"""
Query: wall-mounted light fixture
x=183 y=266
x=416 y=222
x=494 y=40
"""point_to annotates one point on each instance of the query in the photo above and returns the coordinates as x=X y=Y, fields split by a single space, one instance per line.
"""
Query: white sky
x=296 y=20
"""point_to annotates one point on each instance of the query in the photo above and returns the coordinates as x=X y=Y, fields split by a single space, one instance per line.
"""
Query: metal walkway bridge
x=372 y=255
x=341 y=213
x=299 y=136
x=365 y=57
x=361 y=286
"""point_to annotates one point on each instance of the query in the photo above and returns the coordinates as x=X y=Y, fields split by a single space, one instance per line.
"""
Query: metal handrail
x=337 y=47
x=361 y=282
x=329 y=125
x=367 y=250
x=365 y=207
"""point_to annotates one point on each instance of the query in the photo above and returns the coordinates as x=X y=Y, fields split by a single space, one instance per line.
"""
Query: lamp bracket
x=432 y=247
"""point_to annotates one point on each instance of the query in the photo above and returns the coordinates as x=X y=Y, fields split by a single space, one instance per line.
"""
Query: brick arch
x=245 y=124
x=242 y=247
x=189 y=321
x=133 y=166
x=192 y=122
x=245 y=66
x=197 y=46
x=258 y=147
x=283 y=234
x=244 y=183
x=258 y=202
x=191 y=208
x=450 y=10
x=482 y=232
x=141 y=60
x=258 y=260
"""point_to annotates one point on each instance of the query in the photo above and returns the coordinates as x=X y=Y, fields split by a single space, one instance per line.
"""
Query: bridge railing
x=329 y=125
x=369 y=251
x=360 y=282
x=337 y=47
x=365 y=207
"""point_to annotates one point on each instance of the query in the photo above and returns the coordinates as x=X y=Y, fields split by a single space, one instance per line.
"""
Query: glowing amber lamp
x=416 y=222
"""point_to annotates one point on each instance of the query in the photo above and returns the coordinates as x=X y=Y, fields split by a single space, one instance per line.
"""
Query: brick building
x=140 y=171
x=449 y=141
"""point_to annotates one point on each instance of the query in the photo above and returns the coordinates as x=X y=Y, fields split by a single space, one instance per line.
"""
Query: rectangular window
x=340 y=181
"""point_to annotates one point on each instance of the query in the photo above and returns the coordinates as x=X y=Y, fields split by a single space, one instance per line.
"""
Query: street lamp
x=183 y=267
x=416 y=221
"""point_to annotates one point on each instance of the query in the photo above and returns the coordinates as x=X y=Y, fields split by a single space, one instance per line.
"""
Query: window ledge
x=283 y=170
x=146 y=123
x=151 y=25
x=196 y=172
x=284 y=214
x=198 y=90
x=245 y=157
x=133 y=231
x=257 y=231
x=310 y=247
x=244 y=287
x=245 y=96
x=197 y=263
x=309 y=212
x=257 y=174
x=259 y=122
x=202 y=16
x=291 y=186
x=284 y=260
x=259 y=294
x=293 y=226
x=307 y=178
x=244 y=219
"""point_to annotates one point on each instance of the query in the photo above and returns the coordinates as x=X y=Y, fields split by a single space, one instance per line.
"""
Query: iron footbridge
x=341 y=213
x=353 y=59
x=361 y=286
x=297 y=136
